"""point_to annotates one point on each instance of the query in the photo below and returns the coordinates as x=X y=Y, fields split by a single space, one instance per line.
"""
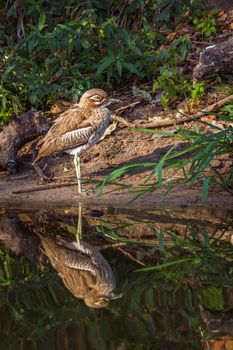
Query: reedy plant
x=194 y=159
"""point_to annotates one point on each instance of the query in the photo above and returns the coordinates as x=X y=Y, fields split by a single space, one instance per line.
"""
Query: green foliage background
x=56 y=49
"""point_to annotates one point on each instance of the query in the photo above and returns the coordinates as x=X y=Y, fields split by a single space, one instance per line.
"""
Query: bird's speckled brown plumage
x=78 y=128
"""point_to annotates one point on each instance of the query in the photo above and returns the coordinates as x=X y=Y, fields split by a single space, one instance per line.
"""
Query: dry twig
x=132 y=104
x=46 y=187
x=164 y=123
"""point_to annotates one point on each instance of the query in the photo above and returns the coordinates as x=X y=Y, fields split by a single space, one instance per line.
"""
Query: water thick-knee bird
x=78 y=128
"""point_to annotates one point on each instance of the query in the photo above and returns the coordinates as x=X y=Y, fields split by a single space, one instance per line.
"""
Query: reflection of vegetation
x=212 y=298
x=36 y=311
x=196 y=252
x=14 y=274
x=159 y=308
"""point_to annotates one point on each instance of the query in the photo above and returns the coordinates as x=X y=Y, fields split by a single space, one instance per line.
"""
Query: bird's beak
x=116 y=296
x=112 y=100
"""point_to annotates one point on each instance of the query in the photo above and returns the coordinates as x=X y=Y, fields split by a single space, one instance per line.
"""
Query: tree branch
x=164 y=123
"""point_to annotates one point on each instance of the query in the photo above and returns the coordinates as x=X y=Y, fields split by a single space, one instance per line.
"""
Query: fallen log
x=215 y=59
x=15 y=135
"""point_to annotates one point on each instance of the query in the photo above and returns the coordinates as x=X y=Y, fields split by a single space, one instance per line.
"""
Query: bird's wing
x=84 y=264
x=75 y=138
x=72 y=119
x=72 y=129
x=61 y=256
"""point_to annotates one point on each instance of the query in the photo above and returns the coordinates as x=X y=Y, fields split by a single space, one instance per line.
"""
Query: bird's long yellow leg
x=79 y=225
x=78 y=171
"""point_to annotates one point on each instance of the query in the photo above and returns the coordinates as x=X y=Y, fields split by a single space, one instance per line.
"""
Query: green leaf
x=41 y=23
x=212 y=298
x=228 y=109
x=33 y=97
x=205 y=189
x=155 y=86
x=165 y=265
x=85 y=44
x=161 y=241
x=130 y=67
x=160 y=165
x=165 y=15
x=159 y=169
x=119 y=172
x=119 y=68
x=31 y=44
x=157 y=132
x=105 y=63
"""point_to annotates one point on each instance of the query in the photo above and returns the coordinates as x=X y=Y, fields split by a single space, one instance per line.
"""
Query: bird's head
x=96 y=98
x=99 y=301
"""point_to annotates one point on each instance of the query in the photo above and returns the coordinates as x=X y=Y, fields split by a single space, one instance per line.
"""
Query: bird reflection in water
x=83 y=269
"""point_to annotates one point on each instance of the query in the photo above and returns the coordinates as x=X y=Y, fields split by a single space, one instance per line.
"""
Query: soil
x=123 y=147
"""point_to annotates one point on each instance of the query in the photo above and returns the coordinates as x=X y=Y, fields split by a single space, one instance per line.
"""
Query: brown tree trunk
x=21 y=130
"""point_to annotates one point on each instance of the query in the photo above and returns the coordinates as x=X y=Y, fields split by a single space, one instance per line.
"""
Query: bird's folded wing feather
x=61 y=256
x=72 y=129
x=80 y=263
x=75 y=138
x=72 y=119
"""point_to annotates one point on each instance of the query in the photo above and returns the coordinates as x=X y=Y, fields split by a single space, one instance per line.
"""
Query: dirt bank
x=123 y=147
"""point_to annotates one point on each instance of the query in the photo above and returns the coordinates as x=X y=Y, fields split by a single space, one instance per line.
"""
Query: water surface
x=116 y=278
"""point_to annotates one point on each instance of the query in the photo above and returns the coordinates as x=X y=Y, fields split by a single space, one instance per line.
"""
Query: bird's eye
x=96 y=98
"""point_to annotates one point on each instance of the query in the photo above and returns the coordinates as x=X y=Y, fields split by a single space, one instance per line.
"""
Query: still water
x=116 y=279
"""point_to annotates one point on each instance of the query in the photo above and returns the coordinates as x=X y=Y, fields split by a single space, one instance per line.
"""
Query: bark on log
x=220 y=4
x=21 y=130
x=217 y=59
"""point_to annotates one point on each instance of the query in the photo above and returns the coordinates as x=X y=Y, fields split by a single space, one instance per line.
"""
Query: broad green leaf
x=130 y=67
x=105 y=63
x=41 y=23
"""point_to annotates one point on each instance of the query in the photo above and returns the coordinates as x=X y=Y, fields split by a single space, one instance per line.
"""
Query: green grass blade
x=155 y=131
x=205 y=189
x=119 y=172
x=166 y=265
